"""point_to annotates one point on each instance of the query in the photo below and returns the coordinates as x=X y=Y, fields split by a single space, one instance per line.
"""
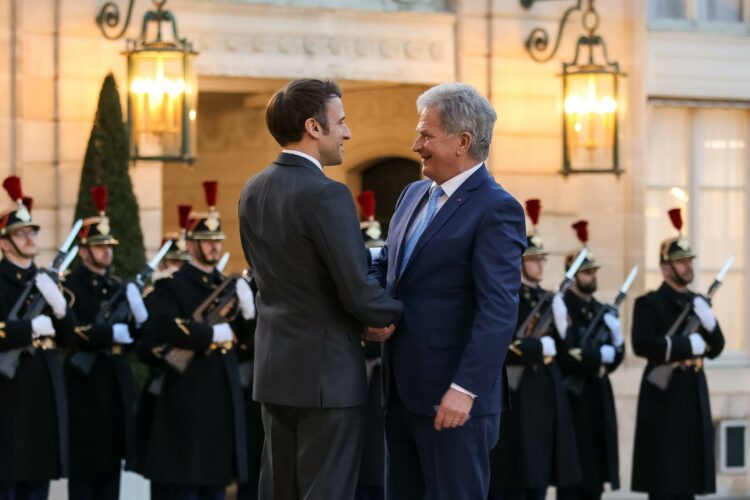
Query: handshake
x=374 y=334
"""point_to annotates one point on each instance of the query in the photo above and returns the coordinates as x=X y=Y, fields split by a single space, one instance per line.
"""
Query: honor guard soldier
x=100 y=383
x=371 y=481
x=34 y=323
x=675 y=329
x=197 y=444
x=587 y=360
x=537 y=446
x=171 y=263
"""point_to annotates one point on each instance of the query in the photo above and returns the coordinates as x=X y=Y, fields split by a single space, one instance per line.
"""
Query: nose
x=347 y=133
x=417 y=145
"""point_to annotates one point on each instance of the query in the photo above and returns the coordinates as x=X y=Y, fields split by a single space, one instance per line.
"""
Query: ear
x=313 y=128
x=465 y=141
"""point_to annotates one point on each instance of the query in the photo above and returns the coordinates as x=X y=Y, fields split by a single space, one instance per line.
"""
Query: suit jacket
x=300 y=234
x=460 y=294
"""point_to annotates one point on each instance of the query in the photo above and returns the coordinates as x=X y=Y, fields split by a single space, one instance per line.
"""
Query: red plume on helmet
x=533 y=209
x=366 y=201
x=100 y=196
x=675 y=215
x=211 y=190
x=582 y=231
x=12 y=185
x=184 y=213
x=28 y=202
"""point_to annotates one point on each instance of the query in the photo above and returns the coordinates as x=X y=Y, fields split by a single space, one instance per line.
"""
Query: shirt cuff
x=461 y=389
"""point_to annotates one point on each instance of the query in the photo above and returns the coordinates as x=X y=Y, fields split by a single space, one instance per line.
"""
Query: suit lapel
x=459 y=198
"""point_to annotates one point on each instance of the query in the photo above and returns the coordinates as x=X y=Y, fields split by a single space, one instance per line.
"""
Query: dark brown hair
x=299 y=100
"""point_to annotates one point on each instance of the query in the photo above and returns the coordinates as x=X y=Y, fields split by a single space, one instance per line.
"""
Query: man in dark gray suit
x=300 y=233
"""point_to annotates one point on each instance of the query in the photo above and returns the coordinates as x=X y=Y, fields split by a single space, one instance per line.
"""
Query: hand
x=41 y=326
x=548 y=346
x=607 y=353
x=135 y=302
x=697 y=344
x=222 y=333
x=560 y=314
x=245 y=297
x=704 y=313
x=613 y=323
x=378 y=334
x=51 y=293
x=121 y=334
x=453 y=410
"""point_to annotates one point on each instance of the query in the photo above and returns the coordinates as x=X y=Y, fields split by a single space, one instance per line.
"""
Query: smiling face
x=442 y=154
x=331 y=143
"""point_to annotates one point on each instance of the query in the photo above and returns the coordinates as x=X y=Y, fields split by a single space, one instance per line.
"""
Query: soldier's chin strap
x=677 y=276
x=94 y=261
x=18 y=250
x=202 y=256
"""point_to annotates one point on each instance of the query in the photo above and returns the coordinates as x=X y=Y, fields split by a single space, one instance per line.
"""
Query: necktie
x=436 y=192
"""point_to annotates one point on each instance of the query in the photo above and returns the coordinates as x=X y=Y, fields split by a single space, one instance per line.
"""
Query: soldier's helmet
x=534 y=243
x=178 y=248
x=677 y=248
x=582 y=233
x=96 y=230
x=206 y=225
x=19 y=216
x=372 y=233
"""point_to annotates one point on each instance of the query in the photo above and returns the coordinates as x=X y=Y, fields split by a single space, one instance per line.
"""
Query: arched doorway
x=387 y=177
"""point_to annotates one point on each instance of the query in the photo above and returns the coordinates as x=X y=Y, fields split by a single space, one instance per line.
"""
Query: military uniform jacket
x=593 y=408
x=198 y=432
x=102 y=402
x=674 y=442
x=537 y=445
x=33 y=407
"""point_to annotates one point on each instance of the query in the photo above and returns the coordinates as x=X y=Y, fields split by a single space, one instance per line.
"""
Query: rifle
x=10 y=359
x=216 y=308
x=597 y=333
x=661 y=375
x=54 y=270
x=536 y=324
x=116 y=309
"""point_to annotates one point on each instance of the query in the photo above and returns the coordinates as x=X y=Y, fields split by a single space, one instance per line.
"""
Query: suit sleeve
x=335 y=232
x=496 y=268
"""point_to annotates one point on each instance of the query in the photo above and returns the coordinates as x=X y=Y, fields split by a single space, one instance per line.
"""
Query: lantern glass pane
x=158 y=82
x=590 y=105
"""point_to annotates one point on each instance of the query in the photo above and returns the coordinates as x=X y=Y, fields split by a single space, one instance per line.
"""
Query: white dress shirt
x=303 y=155
x=449 y=187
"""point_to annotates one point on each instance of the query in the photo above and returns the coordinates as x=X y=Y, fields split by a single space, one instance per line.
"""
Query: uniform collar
x=15 y=273
x=207 y=279
x=673 y=295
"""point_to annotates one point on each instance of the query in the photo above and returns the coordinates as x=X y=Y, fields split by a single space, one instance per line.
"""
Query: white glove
x=245 y=296
x=121 y=334
x=704 y=313
x=560 y=314
x=548 y=346
x=613 y=323
x=607 y=353
x=41 y=326
x=51 y=293
x=135 y=302
x=222 y=333
x=697 y=344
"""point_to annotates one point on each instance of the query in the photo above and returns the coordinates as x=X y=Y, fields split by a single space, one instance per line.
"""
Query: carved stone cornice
x=273 y=42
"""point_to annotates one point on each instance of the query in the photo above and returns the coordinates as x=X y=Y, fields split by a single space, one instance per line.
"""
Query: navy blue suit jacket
x=460 y=294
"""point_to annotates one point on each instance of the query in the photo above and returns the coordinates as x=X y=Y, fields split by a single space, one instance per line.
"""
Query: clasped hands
x=374 y=334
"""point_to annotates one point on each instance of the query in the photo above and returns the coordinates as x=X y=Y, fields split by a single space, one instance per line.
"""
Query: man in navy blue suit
x=452 y=256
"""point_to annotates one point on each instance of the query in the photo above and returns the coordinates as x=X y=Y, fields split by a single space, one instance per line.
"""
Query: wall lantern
x=590 y=95
x=162 y=85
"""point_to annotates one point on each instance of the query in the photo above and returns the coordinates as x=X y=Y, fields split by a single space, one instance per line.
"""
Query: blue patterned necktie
x=436 y=193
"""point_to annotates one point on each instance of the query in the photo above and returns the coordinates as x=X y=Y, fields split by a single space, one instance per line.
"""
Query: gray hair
x=463 y=109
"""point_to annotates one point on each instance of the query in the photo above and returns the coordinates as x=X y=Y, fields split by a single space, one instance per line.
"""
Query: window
x=699 y=160
x=701 y=15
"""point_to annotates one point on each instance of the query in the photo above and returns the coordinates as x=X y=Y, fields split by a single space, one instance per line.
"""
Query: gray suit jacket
x=300 y=234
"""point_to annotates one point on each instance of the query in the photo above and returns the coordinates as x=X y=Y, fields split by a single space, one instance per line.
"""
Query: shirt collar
x=451 y=185
x=303 y=155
